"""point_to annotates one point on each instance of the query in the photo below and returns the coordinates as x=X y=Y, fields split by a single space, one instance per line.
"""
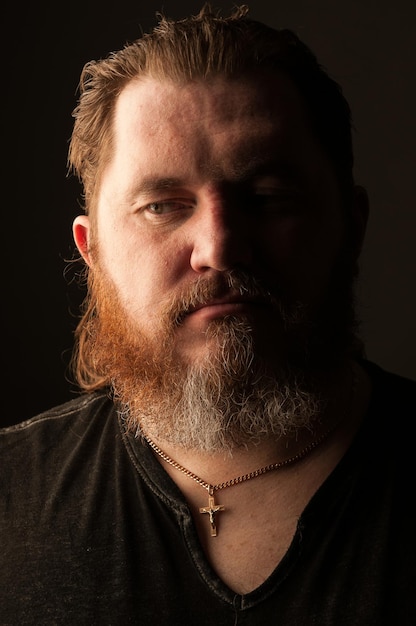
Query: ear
x=359 y=214
x=81 y=234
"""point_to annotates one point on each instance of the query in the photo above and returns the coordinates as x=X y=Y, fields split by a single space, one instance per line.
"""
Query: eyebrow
x=152 y=184
x=243 y=172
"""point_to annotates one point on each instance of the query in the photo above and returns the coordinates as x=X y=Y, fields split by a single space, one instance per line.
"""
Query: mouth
x=230 y=294
x=226 y=306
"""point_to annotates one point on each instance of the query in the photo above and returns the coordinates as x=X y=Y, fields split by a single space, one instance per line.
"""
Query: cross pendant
x=212 y=509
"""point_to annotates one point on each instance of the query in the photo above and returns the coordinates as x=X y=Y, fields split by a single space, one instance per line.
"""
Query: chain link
x=245 y=477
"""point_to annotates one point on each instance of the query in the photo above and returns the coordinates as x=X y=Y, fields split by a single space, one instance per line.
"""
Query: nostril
x=222 y=250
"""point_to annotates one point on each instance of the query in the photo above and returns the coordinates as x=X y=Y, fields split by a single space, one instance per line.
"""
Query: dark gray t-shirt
x=93 y=531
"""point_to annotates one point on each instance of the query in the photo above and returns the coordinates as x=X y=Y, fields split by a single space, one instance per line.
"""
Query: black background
x=369 y=47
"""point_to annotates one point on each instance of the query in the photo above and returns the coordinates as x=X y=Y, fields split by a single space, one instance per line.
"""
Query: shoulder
x=391 y=390
x=55 y=456
x=84 y=404
x=387 y=433
x=55 y=429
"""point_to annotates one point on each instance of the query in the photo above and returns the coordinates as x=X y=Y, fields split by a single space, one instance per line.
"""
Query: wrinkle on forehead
x=217 y=129
x=219 y=100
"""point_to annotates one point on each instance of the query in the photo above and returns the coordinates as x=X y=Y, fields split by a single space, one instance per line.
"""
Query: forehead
x=217 y=125
x=245 y=95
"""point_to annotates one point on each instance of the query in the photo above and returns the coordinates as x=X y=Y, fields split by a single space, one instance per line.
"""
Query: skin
x=209 y=176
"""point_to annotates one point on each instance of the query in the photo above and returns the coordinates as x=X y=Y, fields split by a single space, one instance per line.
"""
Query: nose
x=222 y=240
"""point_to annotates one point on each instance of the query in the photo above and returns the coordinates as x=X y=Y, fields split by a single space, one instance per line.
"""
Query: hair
x=199 y=47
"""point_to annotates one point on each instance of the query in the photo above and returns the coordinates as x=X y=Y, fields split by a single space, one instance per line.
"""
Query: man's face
x=208 y=177
x=218 y=204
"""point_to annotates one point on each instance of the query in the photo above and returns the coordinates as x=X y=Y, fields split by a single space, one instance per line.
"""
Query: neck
x=340 y=417
x=228 y=520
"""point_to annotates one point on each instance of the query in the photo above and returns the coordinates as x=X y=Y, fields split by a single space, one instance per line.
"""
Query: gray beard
x=247 y=387
x=230 y=399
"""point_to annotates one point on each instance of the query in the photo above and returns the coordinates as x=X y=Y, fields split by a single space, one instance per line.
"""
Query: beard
x=245 y=387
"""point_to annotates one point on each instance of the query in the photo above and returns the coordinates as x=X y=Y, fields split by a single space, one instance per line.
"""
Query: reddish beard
x=234 y=396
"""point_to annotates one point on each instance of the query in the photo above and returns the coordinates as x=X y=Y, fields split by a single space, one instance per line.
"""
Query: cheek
x=145 y=275
x=302 y=255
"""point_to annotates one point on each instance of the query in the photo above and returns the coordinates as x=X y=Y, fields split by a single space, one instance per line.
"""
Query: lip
x=222 y=307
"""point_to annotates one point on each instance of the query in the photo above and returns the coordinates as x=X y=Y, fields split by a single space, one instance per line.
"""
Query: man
x=233 y=458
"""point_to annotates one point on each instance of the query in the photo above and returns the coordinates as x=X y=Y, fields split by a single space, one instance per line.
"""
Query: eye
x=167 y=209
x=161 y=208
x=278 y=201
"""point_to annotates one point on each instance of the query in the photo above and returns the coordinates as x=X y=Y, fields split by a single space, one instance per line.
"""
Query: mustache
x=232 y=283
